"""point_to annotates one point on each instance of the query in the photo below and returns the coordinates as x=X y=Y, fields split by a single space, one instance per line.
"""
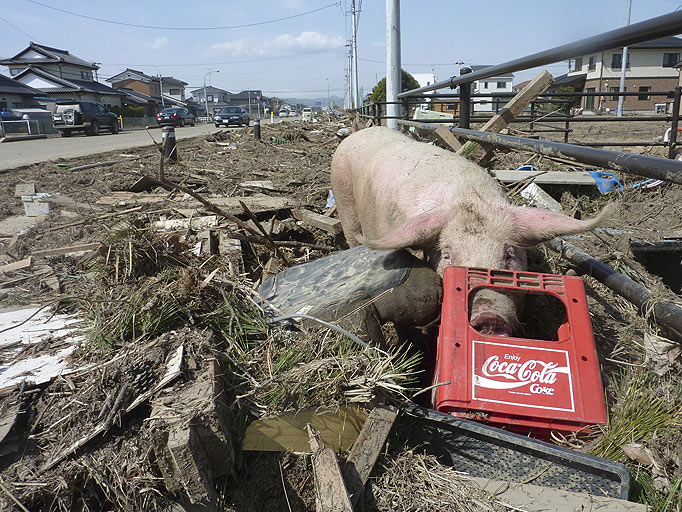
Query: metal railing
x=538 y=115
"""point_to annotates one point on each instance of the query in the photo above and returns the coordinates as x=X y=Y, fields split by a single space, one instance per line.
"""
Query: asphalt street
x=16 y=154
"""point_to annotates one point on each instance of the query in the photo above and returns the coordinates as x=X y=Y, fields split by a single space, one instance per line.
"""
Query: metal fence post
x=464 y=100
x=676 y=118
x=532 y=116
x=568 y=124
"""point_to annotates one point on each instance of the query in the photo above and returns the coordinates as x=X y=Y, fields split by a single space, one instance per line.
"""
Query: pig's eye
x=446 y=257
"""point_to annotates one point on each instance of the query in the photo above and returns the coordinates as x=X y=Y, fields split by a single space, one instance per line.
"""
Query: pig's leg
x=350 y=223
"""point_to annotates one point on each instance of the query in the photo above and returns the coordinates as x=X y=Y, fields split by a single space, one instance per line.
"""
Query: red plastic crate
x=525 y=384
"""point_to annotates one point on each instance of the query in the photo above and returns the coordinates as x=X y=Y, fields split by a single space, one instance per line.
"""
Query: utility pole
x=354 y=49
x=623 y=67
x=206 y=97
x=393 y=70
x=329 y=101
x=163 y=103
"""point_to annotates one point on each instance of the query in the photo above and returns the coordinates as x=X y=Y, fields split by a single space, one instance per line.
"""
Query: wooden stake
x=330 y=491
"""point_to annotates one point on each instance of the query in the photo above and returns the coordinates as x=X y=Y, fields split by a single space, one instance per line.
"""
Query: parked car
x=232 y=115
x=284 y=113
x=175 y=116
x=307 y=114
x=86 y=116
x=293 y=113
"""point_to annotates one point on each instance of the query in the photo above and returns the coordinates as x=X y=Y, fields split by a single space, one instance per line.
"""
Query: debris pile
x=181 y=388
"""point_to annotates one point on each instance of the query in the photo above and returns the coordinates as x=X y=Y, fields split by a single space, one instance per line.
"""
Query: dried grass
x=417 y=482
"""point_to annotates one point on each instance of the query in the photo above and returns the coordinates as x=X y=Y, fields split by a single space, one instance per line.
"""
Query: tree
x=379 y=92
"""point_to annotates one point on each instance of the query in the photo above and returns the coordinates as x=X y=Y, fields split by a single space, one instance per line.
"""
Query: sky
x=297 y=48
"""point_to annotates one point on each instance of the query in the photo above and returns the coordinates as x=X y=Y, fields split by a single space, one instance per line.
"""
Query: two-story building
x=216 y=99
x=173 y=88
x=59 y=75
x=650 y=67
x=493 y=85
x=152 y=92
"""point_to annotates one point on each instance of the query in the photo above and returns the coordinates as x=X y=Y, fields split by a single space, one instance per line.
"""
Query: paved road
x=15 y=154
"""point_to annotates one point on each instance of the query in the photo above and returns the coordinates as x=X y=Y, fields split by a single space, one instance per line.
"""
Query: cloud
x=284 y=43
x=157 y=44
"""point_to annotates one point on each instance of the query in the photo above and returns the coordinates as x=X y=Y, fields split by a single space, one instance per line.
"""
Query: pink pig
x=393 y=192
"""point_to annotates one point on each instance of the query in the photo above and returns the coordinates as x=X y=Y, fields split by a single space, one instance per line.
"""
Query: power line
x=17 y=28
x=127 y=64
x=182 y=28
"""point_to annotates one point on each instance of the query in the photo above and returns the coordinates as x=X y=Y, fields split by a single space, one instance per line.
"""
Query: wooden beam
x=446 y=137
x=327 y=224
x=366 y=450
x=67 y=250
x=17 y=265
x=330 y=491
x=580 y=178
x=516 y=105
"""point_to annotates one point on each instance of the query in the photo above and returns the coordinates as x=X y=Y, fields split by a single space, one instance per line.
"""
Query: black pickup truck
x=86 y=116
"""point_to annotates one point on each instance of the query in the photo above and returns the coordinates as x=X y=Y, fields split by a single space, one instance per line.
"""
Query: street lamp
x=206 y=97
x=329 y=102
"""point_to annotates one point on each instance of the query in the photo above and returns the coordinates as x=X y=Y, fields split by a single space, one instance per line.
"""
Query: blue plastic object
x=527 y=168
x=606 y=181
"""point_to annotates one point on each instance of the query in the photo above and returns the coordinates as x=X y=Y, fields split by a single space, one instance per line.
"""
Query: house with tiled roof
x=16 y=95
x=59 y=74
x=650 y=67
x=149 y=86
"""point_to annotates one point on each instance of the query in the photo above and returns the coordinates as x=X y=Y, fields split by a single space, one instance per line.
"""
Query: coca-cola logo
x=522 y=375
x=528 y=372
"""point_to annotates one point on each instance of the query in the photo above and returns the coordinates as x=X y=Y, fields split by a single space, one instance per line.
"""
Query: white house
x=650 y=67
x=425 y=79
x=493 y=85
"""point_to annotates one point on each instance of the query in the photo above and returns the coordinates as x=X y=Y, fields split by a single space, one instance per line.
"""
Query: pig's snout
x=493 y=312
x=490 y=323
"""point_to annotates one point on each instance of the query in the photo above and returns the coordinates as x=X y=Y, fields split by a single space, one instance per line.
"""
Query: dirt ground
x=295 y=158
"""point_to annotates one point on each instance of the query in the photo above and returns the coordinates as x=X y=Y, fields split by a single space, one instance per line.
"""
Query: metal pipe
x=675 y=120
x=548 y=95
x=393 y=69
x=654 y=28
x=557 y=119
x=465 y=100
x=641 y=165
x=665 y=314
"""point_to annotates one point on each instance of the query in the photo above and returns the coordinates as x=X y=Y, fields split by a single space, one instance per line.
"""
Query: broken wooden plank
x=330 y=491
x=516 y=105
x=67 y=250
x=545 y=178
x=338 y=428
x=330 y=211
x=24 y=189
x=17 y=265
x=264 y=184
x=41 y=272
x=195 y=223
x=256 y=202
x=366 y=450
x=327 y=224
x=446 y=137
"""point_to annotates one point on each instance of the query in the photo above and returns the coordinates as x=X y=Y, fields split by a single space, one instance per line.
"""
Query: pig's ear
x=534 y=225
x=417 y=232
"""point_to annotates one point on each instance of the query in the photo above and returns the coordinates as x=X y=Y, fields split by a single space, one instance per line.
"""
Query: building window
x=485 y=85
x=616 y=89
x=174 y=92
x=209 y=97
x=575 y=64
x=501 y=85
x=592 y=64
x=85 y=75
x=450 y=106
x=589 y=100
x=17 y=105
x=14 y=71
x=644 y=91
x=670 y=59
x=617 y=61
